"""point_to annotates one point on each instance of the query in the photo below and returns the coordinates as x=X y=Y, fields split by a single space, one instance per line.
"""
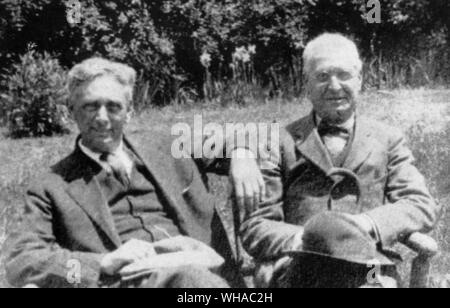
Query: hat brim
x=380 y=259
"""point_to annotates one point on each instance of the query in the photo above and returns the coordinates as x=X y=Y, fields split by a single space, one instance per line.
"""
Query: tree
x=164 y=39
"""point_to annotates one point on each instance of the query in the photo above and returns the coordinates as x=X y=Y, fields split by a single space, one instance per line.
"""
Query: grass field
x=424 y=116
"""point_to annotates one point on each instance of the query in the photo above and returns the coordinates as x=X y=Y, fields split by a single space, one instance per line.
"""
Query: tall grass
x=244 y=85
x=3 y=226
x=428 y=69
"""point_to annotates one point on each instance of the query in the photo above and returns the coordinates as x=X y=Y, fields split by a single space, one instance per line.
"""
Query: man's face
x=101 y=110
x=333 y=87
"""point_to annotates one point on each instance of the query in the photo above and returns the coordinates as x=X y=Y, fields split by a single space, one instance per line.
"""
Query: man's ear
x=306 y=81
x=360 y=80
x=130 y=114
x=71 y=110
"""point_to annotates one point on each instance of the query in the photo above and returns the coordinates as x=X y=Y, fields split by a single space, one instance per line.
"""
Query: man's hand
x=247 y=180
x=175 y=252
x=131 y=252
x=180 y=243
x=297 y=242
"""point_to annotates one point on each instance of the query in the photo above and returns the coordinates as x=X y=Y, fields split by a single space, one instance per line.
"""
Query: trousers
x=192 y=277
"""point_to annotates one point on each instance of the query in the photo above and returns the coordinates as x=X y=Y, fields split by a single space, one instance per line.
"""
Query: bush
x=164 y=40
x=34 y=99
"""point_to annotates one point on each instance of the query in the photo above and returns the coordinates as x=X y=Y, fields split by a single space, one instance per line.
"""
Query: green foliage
x=34 y=101
x=39 y=22
x=164 y=39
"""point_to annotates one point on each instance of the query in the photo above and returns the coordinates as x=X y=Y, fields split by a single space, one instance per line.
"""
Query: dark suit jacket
x=378 y=178
x=67 y=217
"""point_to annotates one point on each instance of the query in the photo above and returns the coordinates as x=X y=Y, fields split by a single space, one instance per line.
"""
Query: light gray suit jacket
x=301 y=182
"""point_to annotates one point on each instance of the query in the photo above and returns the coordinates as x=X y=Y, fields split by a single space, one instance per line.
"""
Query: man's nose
x=334 y=84
x=102 y=115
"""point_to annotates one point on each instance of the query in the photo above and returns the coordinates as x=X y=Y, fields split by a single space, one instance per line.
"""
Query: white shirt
x=337 y=144
x=119 y=153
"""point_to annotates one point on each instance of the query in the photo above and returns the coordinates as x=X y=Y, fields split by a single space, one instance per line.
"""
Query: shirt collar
x=96 y=155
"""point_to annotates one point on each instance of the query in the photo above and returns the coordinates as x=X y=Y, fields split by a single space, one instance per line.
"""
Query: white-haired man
x=114 y=203
x=337 y=160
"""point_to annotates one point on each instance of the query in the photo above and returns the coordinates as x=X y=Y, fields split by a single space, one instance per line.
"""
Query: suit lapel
x=361 y=147
x=310 y=145
x=86 y=191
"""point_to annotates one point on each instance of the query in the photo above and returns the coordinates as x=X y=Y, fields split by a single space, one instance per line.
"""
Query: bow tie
x=326 y=129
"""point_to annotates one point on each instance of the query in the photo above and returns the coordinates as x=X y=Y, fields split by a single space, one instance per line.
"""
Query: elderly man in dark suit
x=114 y=202
x=337 y=160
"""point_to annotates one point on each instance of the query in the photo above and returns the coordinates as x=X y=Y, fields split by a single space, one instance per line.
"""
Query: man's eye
x=322 y=77
x=114 y=108
x=90 y=108
x=345 y=76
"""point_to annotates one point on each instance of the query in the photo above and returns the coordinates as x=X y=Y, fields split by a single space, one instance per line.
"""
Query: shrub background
x=34 y=101
x=164 y=40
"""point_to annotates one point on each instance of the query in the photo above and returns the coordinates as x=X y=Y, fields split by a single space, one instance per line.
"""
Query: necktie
x=117 y=167
x=334 y=137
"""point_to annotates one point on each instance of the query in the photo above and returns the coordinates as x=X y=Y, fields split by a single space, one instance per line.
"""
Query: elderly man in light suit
x=337 y=160
x=114 y=202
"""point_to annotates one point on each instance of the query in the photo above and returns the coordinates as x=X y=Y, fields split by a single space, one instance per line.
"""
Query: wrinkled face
x=101 y=109
x=333 y=86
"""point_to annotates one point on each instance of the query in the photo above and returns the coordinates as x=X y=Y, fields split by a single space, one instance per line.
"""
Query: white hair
x=93 y=68
x=330 y=44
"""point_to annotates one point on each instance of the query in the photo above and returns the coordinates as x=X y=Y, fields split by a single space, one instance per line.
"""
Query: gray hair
x=93 y=68
x=329 y=43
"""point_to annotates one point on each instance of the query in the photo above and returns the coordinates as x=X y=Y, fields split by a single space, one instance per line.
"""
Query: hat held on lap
x=336 y=236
